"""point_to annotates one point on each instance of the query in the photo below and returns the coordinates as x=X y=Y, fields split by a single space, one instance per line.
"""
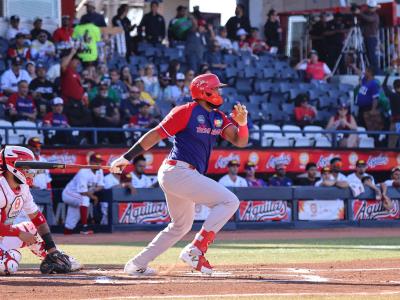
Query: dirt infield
x=368 y=277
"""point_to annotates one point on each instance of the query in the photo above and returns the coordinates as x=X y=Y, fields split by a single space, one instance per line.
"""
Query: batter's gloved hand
x=55 y=263
x=118 y=165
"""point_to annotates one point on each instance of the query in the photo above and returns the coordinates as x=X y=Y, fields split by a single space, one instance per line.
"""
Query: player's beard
x=213 y=106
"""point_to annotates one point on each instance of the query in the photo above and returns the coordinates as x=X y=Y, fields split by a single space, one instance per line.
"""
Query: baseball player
x=78 y=193
x=139 y=179
x=42 y=178
x=15 y=198
x=196 y=126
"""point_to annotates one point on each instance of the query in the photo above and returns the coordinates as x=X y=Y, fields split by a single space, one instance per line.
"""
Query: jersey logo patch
x=217 y=123
x=201 y=119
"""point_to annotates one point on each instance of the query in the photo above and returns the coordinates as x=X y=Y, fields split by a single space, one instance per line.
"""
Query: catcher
x=15 y=197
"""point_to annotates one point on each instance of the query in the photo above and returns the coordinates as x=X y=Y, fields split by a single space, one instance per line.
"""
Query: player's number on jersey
x=15 y=207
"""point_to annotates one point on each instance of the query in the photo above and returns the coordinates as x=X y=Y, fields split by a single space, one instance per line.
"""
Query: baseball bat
x=49 y=165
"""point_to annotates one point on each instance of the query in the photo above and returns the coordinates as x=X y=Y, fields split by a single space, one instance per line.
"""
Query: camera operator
x=369 y=24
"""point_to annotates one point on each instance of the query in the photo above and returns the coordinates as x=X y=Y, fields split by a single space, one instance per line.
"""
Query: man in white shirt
x=328 y=180
x=14 y=28
x=359 y=174
x=223 y=41
x=11 y=77
x=336 y=168
x=139 y=179
x=42 y=178
x=42 y=49
x=393 y=182
x=232 y=179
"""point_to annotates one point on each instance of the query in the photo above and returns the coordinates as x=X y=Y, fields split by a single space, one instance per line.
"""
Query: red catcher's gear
x=10 y=154
x=205 y=87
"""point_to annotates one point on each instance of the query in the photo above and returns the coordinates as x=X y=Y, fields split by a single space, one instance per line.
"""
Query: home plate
x=214 y=274
x=103 y=280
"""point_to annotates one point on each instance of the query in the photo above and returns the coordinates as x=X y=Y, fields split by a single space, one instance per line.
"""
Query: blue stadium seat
x=316 y=94
x=327 y=102
x=228 y=91
x=288 y=108
x=250 y=72
x=263 y=86
x=230 y=59
x=231 y=72
x=333 y=93
x=269 y=73
x=277 y=98
x=257 y=99
x=244 y=86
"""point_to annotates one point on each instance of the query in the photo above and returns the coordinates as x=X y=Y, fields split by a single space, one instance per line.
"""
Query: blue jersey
x=279 y=181
x=196 y=131
x=367 y=92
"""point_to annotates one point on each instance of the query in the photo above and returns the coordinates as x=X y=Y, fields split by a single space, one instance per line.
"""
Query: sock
x=203 y=239
x=84 y=215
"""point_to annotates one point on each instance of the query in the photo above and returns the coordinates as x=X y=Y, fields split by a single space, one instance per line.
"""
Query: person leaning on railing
x=327 y=180
x=394 y=99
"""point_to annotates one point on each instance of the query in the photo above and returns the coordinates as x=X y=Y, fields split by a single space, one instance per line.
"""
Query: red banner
x=143 y=213
x=374 y=210
x=263 y=211
x=296 y=159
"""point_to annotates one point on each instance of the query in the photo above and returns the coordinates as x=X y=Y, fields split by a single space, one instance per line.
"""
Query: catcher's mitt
x=55 y=262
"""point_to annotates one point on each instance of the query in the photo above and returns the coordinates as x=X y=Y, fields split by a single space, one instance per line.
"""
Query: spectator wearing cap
x=43 y=90
x=304 y=113
x=255 y=43
x=11 y=77
x=180 y=26
x=130 y=106
x=394 y=181
x=19 y=49
x=280 y=178
x=152 y=25
x=71 y=87
x=144 y=95
x=225 y=43
x=232 y=179
x=42 y=49
x=196 y=44
x=215 y=60
x=117 y=85
x=30 y=67
x=56 y=118
x=178 y=93
x=336 y=165
x=241 y=44
x=63 y=34
x=343 y=120
x=273 y=30
x=314 y=68
x=328 y=179
x=240 y=20
x=360 y=172
x=311 y=175
x=42 y=179
x=151 y=84
x=139 y=178
x=111 y=93
x=394 y=99
x=21 y=105
x=252 y=181
x=92 y=16
x=14 y=28
x=37 y=29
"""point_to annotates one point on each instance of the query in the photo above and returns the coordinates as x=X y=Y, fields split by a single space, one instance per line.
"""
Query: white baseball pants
x=74 y=201
x=183 y=188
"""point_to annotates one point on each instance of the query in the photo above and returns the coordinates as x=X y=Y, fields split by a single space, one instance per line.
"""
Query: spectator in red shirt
x=304 y=113
x=314 y=69
x=256 y=44
x=63 y=34
x=20 y=49
x=21 y=105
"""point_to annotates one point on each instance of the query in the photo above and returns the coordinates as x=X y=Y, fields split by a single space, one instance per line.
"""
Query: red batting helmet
x=11 y=154
x=205 y=87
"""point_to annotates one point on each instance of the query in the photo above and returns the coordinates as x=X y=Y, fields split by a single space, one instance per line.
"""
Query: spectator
x=179 y=27
x=11 y=77
x=241 y=44
x=311 y=175
x=304 y=113
x=42 y=90
x=394 y=99
x=318 y=36
x=369 y=115
x=112 y=94
x=19 y=49
x=314 y=69
x=335 y=167
x=359 y=174
x=92 y=16
x=130 y=106
x=126 y=77
x=328 y=180
x=139 y=179
x=394 y=181
x=123 y=40
x=63 y=34
x=251 y=179
x=3 y=108
x=273 y=30
x=196 y=45
x=152 y=25
x=280 y=178
x=369 y=182
x=21 y=105
x=42 y=49
x=164 y=81
x=142 y=120
x=37 y=29
x=225 y=43
x=14 y=28
x=336 y=35
x=144 y=96
x=117 y=85
x=42 y=179
x=214 y=59
x=369 y=24
x=343 y=120
x=189 y=76
x=232 y=179
x=31 y=69
x=237 y=22
x=150 y=81
x=54 y=73
x=255 y=43
x=173 y=69
x=88 y=35
x=56 y=118
x=178 y=93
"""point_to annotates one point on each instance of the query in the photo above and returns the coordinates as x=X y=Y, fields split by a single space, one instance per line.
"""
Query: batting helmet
x=205 y=87
x=10 y=154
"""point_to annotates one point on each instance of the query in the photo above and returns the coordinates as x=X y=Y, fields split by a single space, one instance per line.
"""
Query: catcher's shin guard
x=38 y=247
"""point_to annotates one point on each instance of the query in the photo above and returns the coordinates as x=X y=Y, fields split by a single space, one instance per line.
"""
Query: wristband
x=243 y=131
x=39 y=219
x=48 y=241
x=133 y=152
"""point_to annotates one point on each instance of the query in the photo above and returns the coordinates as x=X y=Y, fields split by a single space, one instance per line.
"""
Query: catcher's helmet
x=10 y=154
x=205 y=87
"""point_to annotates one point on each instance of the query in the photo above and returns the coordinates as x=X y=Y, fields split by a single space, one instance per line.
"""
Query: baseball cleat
x=195 y=259
x=134 y=270
x=85 y=230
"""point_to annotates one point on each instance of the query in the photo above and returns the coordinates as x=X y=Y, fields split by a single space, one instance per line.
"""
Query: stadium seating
x=25 y=134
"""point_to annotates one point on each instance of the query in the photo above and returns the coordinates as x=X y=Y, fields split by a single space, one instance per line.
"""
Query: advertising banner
x=263 y=211
x=374 y=210
x=143 y=213
x=265 y=159
x=318 y=210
